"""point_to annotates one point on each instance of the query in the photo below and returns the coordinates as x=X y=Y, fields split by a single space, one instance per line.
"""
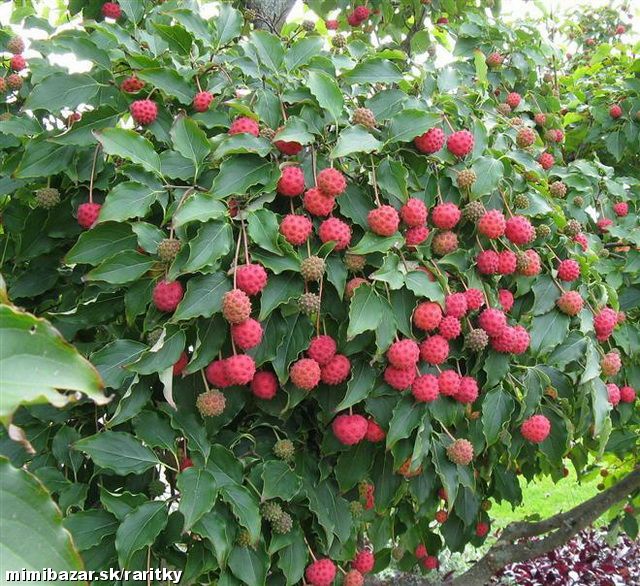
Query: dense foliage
x=343 y=283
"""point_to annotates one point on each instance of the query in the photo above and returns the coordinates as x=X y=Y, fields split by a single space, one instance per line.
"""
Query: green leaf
x=178 y=39
x=545 y=293
x=573 y=348
x=81 y=133
x=111 y=359
x=268 y=48
x=118 y=451
x=373 y=71
x=42 y=159
x=32 y=533
x=359 y=386
x=300 y=330
x=240 y=172
x=355 y=139
x=422 y=286
x=163 y=354
x=326 y=91
x=292 y=559
x=123 y=267
x=140 y=529
x=213 y=241
x=371 y=242
x=199 y=207
x=203 y=297
x=263 y=230
x=228 y=25
x=480 y=62
x=409 y=123
x=190 y=141
x=128 y=199
x=131 y=146
x=198 y=493
x=406 y=417
x=497 y=408
x=365 y=311
x=36 y=361
x=169 y=81
x=280 y=289
x=219 y=530
x=62 y=90
x=302 y=51
x=249 y=565
x=548 y=330
x=89 y=528
x=279 y=481
x=489 y=173
x=155 y=430
x=245 y=508
x=122 y=503
x=242 y=144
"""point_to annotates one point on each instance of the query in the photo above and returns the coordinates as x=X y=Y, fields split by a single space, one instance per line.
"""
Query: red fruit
x=504 y=342
x=167 y=295
x=460 y=452
x=604 y=323
x=414 y=212
x=305 y=373
x=493 y=321
x=434 y=350
x=111 y=10
x=570 y=303
x=494 y=60
x=216 y=374
x=460 y=143
x=441 y=516
x=132 y=85
x=519 y=230
x=520 y=340
x=335 y=371
x=427 y=316
x=251 y=278
x=540 y=119
x=450 y=327
x=456 y=305
x=264 y=385
x=353 y=578
x=420 y=551
x=240 y=369
x=236 y=306
x=364 y=561
x=383 y=220
x=322 y=572
x=318 y=204
x=568 y=270
x=534 y=266
x=333 y=229
x=627 y=394
x=507 y=262
x=581 y=239
x=620 y=29
x=296 y=229
x=244 y=124
x=287 y=147
x=445 y=215
x=444 y=243
x=604 y=224
x=536 y=429
x=482 y=529
x=144 y=111
x=185 y=463
x=331 y=24
x=621 y=209
x=492 y=224
x=88 y=214
x=247 y=334
x=374 y=432
x=430 y=562
x=202 y=101
x=361 y=13
x=291 y=182
x=442 y=20
x=475 y=299
x=399 y=378
x=614 y=393
x=449 y=383
x=331 y=182
x=505 y=298
x=322 y=349
x=349 y=429
x=488 y=262
x=353 y=20
x=353 y=284
x=615 y=111
x=403 y=353
x=556 y=135
x=546 y=161
x=431 y=141
x=513 y=99
x=611 y=364
x=181 y=364
x=425 y=388
x=468 y=390
x=415 y=236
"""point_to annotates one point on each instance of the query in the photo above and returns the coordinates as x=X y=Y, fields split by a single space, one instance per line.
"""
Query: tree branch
x=560 y=528
x=272 y=13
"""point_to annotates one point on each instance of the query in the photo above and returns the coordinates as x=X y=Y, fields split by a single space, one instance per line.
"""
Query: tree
x=340 y=296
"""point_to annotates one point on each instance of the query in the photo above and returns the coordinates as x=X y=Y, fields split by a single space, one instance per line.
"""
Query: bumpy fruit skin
x=240 y=369
x=460 y=143
x=570 y=303
x=88 y=214
x=488 y=262
x=615 y=111
x=427 y=316
x=558 y=189
x=475 y=299
x=525 y=137
x=399 y=378
x=611 y=364
x=446 y=215
x=236 y=306
x=335 y=230
x=456 y=305
x=450 y=328
x=312 y=268
x=425 y=388
x=604 y=224
x=339 y=41
x=431 y=141
x=514 y=99
x=14 y=81
x=482 y=529
x=492 y=224
x=47 y=197
x=335 y=371
x=322 y=572
x=604 y=323
x=216 y=374
x=441 y=516
x=473 y=211
x=627 y=394
x=305 y=374
x=309 y=303
x=15 y=46
x=202 y=101
x=111 y=10
x=167 y=295
x=503 y=109
x=613 y=391
x=466 y=178
x=543 y=231
x=476 y=340
x=317 y=203
x=322 y=349
x=264 y=385
x=416 y=236
x=519 y=230
x=284 y=449
x=403 y=354
x=375 y=433
x=271 y=511
x=251 y=278
x=536 y=429
x=434 y=350
x=364 y=561
x=17 y=63
x=352 y=285
x=353 y=578
x=383 y=220
x=533 y=265
x=181 y=364
x=132 y=84
x=546 y=161
x=493 y=321
x=286 y=147
x=168 y=249
x=460 y=452
x=211 y=403
x=144 y=112
x=283 y=524
x=291 y=182
x=244 y=124
x=247 y=334
x=349 y=429
x=494 y=60
x=296 y=229
x=331 y=24
x=414 y=212
x=331 y=182
x=444 y=243
x=621 y=209
x=540 y=118
x=505 y=298
x=449 y=383
x=467 y=391
x=568 y=270
x=364 y=117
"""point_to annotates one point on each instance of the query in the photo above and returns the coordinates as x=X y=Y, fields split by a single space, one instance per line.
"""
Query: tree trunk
x=270 y=14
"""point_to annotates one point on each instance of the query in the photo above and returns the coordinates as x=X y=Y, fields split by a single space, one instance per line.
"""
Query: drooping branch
x=270 y=14
x=558 y=530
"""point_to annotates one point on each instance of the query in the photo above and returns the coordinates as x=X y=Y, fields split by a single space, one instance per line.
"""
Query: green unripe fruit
x=284 y=449
x=211 y=403
x=283 y=524
x=476 y=340
x=47 y=197
x=271 y=511
x=473 y=211
x=168 y=249
x=356 y=509
x=466 y=178
x=364 y=117
x=153 y=336
x=244 y=539
x=309 y=25
x=339 y=41
x=309 y=303
x=522 y=261
x=543 y=231
x=572 y=228
x=312 y=268
x=521 y=201
x=355 y=262
x=558 y=189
